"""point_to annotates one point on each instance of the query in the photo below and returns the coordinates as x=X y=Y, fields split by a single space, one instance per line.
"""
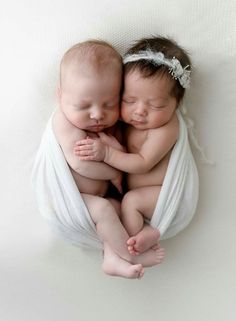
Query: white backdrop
x=41 y=277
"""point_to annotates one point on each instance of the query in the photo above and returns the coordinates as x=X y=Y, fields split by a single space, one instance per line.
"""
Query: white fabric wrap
x=178 y=197
x=60 y=202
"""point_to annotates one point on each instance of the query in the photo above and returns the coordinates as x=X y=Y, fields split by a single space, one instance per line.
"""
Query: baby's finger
x=84 y=153
x=87 y=141
x=83 y=147
x=87 y=158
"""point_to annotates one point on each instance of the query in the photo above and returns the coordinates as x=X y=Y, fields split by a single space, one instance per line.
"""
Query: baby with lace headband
x=156 y=74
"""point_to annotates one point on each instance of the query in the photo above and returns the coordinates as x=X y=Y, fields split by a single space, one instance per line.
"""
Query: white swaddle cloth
x=60 y=202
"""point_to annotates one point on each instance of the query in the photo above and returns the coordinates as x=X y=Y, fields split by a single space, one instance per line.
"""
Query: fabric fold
x=61 y=204
x=178 y=197
x=57 y=195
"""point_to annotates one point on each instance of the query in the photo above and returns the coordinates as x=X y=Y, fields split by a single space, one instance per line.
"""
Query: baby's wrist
x=106 y=153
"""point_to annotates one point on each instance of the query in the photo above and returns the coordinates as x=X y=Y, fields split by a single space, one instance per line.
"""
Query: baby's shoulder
x=63 y=129
x=59 y=121
x=172 y=126
x=166 y=134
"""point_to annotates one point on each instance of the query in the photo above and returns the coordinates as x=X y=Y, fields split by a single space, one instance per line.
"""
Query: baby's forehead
x=77 y=77
x=95 y=55
x=157 y=86
x=91 y=67
x=88 y=71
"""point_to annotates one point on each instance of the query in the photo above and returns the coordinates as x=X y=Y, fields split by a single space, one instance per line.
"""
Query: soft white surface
x=41 y=277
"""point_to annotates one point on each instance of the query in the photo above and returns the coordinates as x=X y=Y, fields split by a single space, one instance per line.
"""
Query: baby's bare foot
x=150 y=257
x=116 y=266
x=147 y=238
x=160 y=255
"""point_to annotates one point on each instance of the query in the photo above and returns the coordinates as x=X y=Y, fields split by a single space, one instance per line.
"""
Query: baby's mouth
x=137 y=121
x=96 y=127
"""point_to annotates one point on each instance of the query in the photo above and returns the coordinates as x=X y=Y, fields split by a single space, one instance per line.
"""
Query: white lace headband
x=157 y=58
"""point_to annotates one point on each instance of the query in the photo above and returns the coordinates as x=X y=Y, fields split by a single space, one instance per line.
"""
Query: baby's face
x=147 y=102
x=90 y=101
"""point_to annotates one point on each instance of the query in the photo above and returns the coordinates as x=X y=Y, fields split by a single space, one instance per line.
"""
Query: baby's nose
x=140 y=109
x=97 y=113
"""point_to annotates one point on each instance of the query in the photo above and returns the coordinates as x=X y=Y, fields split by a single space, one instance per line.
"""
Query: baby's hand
x=110 y=141
x=90 y=149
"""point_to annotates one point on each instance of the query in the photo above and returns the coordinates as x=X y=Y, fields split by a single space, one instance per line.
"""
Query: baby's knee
x=129 y=201
x=104 y=209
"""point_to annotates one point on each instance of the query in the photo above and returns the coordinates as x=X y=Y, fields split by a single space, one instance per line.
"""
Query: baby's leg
x=108 y=225
x=136 y=205
x=112 y=232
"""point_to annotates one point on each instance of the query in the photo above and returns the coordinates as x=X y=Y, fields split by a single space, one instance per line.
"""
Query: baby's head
x=159 y=56
x=156 y=73
x=94 y=56
x=90 y=83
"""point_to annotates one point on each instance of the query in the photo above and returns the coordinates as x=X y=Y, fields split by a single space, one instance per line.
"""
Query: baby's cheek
x=124 y=113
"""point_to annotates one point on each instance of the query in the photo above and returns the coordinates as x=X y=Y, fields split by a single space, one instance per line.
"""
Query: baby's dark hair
x=147 y=69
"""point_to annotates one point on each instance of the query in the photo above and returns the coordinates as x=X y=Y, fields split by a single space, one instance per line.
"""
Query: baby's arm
x=67 y=135
x=157 y=144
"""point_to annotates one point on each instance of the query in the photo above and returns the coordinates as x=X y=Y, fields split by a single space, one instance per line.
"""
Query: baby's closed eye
x=128 y=100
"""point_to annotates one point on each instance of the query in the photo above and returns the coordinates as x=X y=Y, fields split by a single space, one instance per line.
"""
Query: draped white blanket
x=60 y=202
